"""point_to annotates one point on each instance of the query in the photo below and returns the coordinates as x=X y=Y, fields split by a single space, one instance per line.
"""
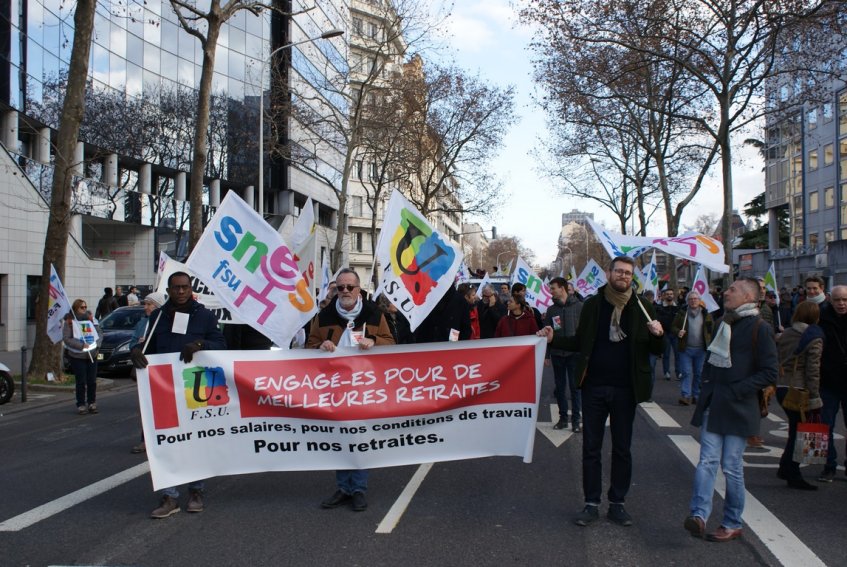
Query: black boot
x=800 y=484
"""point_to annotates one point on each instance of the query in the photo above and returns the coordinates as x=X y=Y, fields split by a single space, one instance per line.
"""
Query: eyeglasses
x=346 y=287
x=624 y=273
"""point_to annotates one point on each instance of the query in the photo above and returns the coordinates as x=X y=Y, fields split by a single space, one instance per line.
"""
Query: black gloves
x=188 y=351
x=138 y=358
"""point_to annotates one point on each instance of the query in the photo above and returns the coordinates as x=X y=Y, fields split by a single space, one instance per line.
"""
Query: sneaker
x=588 y=516
x=755 y=442
x=81 y=410
x=167 y=507
x=359 y=502
x=336 y=500
x=667 y=375
x=562 y=424
x=683 y=401
x=828 y=475
x=140 y=448
x=195 y=502
x=92 y=408
x=576 y=427
x=618 y=514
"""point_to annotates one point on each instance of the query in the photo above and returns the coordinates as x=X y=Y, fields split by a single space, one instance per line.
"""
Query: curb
x=102 y=383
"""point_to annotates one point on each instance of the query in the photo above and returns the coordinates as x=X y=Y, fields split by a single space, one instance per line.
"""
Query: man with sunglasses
x=614 y=337
x=349 y=321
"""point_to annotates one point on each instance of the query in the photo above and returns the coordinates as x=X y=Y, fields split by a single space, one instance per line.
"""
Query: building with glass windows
x=135 y=148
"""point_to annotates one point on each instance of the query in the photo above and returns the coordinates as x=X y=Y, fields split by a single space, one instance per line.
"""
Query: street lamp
x=326 y=35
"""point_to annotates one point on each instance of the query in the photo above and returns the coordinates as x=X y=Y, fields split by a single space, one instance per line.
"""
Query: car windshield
x=122 y=319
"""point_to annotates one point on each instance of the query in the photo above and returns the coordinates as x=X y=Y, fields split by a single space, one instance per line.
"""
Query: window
x=828 y=154
x=828 y=236
x=32 y=285
x=813 y=160
x=827 y=112
x=358 y=241
x=829 y=197
x=373 y=31
x=813 y=239
x=374 y=171
x=814 y=201
x=355 y=206
x=842 y=114
x=842 y=154
x=360 y=169
x=358 y=26
x=812 y=118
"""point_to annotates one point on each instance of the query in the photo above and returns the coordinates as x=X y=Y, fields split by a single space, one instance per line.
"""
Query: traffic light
x=493 y=233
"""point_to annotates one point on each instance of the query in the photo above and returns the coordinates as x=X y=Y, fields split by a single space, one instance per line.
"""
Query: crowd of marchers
x=604 y=351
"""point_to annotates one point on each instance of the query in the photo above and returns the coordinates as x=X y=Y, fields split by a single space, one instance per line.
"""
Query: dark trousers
x=618 y=404
x=85 y=374
x=564 y=376
x=833 y=400
x=787 y=465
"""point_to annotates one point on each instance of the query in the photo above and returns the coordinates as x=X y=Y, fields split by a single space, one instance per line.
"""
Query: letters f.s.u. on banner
x=252 y=271
x=418 y=263
x=236 y=412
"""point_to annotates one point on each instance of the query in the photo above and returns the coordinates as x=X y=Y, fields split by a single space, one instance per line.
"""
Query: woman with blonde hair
x=82 y=338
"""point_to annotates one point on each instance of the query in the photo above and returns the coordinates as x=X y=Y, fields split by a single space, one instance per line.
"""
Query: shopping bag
x=812 y=443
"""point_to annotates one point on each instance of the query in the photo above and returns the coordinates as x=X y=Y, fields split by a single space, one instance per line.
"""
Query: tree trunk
x=46 y=357
x=201 y=134
x=726 y=171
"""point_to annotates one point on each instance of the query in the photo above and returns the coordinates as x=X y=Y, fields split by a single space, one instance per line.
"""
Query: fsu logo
x=421 y=256
x=204 y=387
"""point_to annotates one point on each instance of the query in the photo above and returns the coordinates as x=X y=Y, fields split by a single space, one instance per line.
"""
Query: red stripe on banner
x=162 y=396
x=386 y=385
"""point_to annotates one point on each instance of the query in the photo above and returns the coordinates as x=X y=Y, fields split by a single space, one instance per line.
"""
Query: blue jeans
x=691 y=367
x=728 y=450
x=564 y=375
x=666 y=356
x=350 y=481
x=618 y=404
x=85 y=374
x=174 y=493
x=832 y=402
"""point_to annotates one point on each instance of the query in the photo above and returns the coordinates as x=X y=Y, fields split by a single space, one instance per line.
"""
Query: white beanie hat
x=157 y=298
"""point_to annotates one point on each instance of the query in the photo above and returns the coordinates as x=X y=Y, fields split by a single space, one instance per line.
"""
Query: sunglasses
x=346 y=287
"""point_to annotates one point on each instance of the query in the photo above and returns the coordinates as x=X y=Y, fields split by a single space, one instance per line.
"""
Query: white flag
x=326 y=277
x=58 y=305
x=701 y=286
x=304 y=226
x=418 y=264
x=590 y=280
x=537 y=292
x=252 y=271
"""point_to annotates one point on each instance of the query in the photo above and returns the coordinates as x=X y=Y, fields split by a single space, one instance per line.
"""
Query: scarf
x=719 y=348
x=350 y=315
x=618 y=299
x=819 y=298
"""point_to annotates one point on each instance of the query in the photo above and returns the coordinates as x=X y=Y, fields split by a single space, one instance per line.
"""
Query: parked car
x=117 y=329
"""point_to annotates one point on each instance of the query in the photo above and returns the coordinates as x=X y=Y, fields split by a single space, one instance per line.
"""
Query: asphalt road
x=72 y=494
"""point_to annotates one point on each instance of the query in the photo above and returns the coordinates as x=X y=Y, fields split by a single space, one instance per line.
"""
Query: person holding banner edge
x=617 y=332
x=181 y=325
x=349 y=321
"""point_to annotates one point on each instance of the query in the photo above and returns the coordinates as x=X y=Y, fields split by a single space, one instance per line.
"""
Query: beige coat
x=804 y=369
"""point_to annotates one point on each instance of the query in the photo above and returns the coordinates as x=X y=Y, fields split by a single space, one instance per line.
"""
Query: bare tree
x=206 y=27
x=45 y=355
x=730 y=48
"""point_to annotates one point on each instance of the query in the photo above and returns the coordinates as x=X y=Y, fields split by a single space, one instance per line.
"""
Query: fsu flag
x=417 y=262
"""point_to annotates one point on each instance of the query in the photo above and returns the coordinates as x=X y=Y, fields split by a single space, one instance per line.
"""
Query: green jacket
x=641 y=342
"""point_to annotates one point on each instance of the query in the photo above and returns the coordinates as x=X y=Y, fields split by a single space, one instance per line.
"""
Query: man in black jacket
x=833 y=321
x=563 y=317
x=666 y=311
x=491 y=310
x=615 y=336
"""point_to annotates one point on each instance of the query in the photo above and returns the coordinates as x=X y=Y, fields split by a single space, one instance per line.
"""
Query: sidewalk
x=40 y=395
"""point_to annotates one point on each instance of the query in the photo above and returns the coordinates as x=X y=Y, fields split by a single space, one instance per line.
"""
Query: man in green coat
x=616 y=334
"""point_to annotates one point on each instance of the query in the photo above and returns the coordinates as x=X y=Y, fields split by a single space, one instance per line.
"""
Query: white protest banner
x=160 y=268
x=698 y=248
x=58 y=305
x=486 y=280
x=232 y=412
x=462 y=274
x=590 y=280
x=200 y=291
x=305 y=258
x=85 y=331
x=537 y=292
x=651 y=275
x=304 y=227
x=701 y=286
x=418 y=264
x=252 y=271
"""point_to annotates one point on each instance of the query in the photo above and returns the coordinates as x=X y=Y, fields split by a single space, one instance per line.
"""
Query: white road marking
x=658 y=415
x=392 y=518
x=555 y=436
x=786 y=547
x=61 y=504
